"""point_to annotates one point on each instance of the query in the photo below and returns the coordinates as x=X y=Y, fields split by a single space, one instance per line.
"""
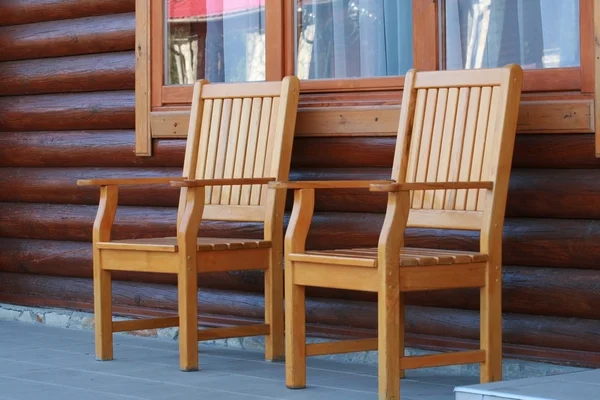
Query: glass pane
x=353 y=38
x=493 y=33
x=220 y=40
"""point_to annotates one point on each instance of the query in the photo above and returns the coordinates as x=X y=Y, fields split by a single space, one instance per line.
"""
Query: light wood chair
x=451 y=171
x=240 y=138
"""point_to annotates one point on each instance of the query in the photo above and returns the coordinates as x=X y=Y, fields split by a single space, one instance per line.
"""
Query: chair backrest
x=458 y=126
x=240 y=130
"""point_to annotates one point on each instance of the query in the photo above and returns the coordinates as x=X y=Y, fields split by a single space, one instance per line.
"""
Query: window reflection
x=353 y=38
x=220 y=40
x=492 y=33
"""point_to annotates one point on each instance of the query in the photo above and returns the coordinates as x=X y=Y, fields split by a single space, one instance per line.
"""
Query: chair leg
x=295 y=333
x=102 y=312
x=187 y=288
x=274 y=343
x=401 y=332
x=389 y=306
x=491 y=325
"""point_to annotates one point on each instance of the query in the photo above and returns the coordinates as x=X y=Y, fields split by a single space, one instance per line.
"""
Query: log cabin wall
x=67 y=112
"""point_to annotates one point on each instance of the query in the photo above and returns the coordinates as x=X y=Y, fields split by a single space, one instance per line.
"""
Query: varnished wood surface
x=17 y=12
x=94 y=110
x=85 y=148
x=100 y=34
x=48 y=140
x=545 y=291
x=85 y=73
x=574 y=339
x=112 y=148
x=564 y=243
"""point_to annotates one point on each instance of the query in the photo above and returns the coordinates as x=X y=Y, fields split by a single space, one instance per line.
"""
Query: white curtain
x=235 y=48
x=533 y=33
x=352 y=38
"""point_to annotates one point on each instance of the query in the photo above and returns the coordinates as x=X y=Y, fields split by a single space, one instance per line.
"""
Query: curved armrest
x=398 y=187
x=349 y=184
x=220 y=182
x=127 y=181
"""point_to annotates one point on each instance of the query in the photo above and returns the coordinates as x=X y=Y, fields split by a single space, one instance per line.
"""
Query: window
x=353 y=38
x=533 y=33
x=359 y=46
x=222 y=41
x=537 y=34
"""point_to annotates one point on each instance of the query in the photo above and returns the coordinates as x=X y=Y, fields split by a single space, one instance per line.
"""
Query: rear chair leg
x=187 y=288
x=102 y=311
x=274 y=343
x=295 y=333
x=491 y=325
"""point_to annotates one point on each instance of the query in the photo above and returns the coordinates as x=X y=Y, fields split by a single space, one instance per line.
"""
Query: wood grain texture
x=112 y=148
x=85 y=73
x=101 y=34
x=95 y=110
x=18 y=12
x=91 y=148
x=544 y=338
x=47 y=141
x=561 y=243
x=555 y=151
x=526 y=290
x=562 y=116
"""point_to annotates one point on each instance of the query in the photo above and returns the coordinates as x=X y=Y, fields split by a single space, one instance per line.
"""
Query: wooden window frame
x=168 y=103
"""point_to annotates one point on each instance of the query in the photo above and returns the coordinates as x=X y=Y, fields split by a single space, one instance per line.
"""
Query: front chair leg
x=295 y=333
x=102 y=312
x=187 y=288
x=274 y=343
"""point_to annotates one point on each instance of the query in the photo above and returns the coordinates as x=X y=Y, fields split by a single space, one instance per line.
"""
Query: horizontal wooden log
x=86 y=73
x=533 y=193
x=532 y=242
x=95 y=110
x=110 y=148
x=76 y=149
x=356 y=319
x=338 y=152
x=18 y=12
x=59 y=186
x=554 y=193
x=101 y=34
x=526 y=290
x=555 y=151
x=531 y=151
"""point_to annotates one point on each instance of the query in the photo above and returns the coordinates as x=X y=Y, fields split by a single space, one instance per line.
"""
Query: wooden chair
x=451 y=170
x=240 y=138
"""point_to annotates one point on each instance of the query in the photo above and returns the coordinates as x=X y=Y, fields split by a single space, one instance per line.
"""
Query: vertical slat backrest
x=457 y=126
x=240 y=130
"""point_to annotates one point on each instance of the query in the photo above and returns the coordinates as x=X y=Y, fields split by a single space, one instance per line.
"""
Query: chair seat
x=367 y=257
x=169 y=244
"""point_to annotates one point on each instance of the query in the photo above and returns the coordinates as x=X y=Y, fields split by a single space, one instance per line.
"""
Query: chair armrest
x=220 y=182
x=349 y=184
x=397 y=187
x=127 y=181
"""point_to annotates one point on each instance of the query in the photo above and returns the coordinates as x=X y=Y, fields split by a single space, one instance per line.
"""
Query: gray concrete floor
x=41 y=362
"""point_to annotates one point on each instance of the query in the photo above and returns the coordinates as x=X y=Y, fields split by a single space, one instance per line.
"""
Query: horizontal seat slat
x=169 y=244
x=409 y=256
